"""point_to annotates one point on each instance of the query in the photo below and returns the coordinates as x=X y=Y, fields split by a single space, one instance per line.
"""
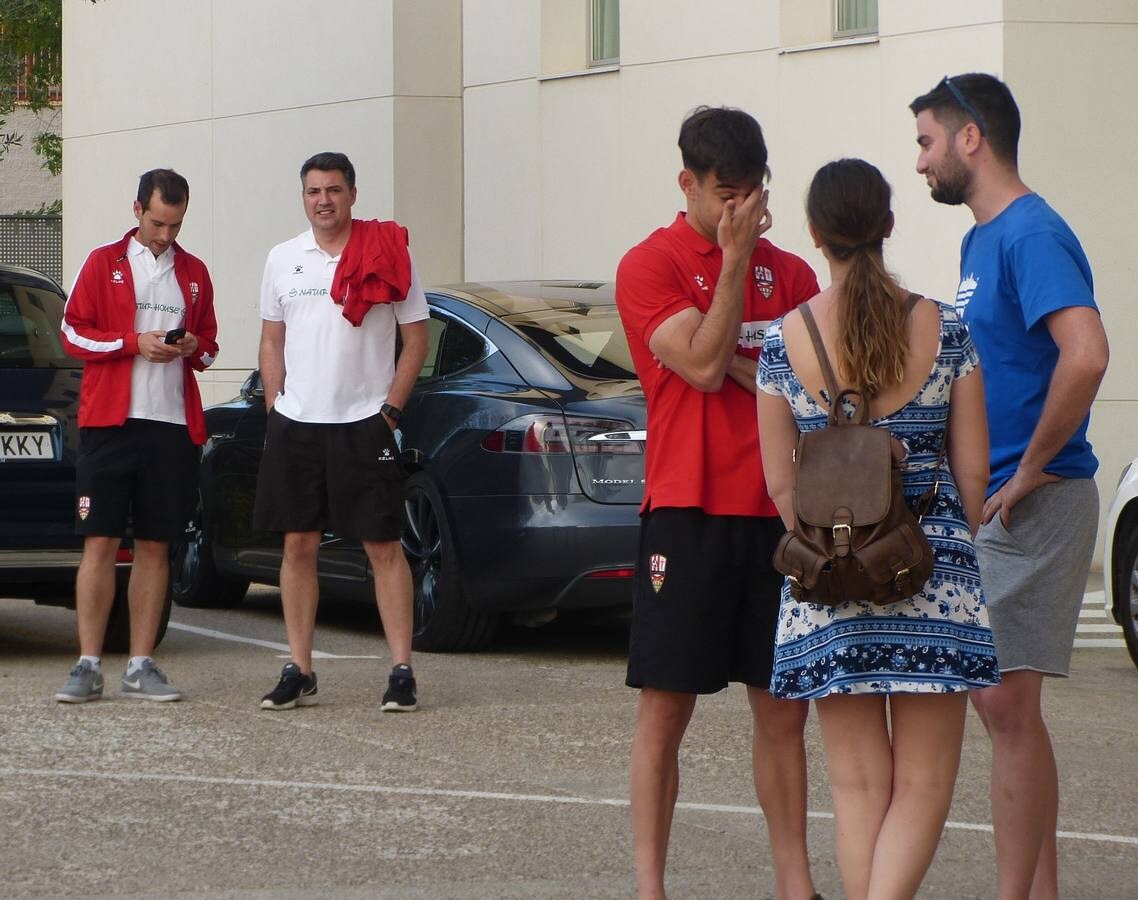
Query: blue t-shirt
x=1015 y=270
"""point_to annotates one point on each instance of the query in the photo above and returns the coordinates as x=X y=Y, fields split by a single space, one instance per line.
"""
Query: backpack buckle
x=843 y=535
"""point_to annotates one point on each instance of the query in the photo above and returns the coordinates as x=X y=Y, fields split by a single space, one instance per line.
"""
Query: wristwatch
x=392 y=412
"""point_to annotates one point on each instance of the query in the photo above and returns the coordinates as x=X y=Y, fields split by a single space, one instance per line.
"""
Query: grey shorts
x=1034 y=574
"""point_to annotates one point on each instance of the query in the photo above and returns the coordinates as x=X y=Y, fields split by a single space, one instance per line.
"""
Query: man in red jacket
x=141 y=317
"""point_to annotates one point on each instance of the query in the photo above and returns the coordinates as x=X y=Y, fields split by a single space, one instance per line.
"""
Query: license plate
x=25 y=445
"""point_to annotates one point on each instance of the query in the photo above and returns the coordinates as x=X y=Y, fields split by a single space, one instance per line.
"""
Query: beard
x=953 y=182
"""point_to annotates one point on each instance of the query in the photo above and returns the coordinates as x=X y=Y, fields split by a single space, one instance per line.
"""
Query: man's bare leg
x=95 y=592
x=1025 y=786
x=149 y=579
x=300 y=594
x=661 y=719
x=393 y=596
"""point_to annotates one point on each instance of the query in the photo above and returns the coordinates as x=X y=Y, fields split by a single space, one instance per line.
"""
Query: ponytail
x=848 y=206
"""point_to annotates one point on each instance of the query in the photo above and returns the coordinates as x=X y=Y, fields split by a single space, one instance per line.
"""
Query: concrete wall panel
x=502 y=181
x=136 y=63
x=501 y=41
x=269 y=54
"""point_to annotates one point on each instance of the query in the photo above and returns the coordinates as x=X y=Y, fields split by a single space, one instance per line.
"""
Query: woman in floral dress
x=890 y=682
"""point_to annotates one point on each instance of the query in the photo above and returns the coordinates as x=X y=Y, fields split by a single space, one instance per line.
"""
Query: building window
x=604 y=32
x=25 y=85
x=854 y=17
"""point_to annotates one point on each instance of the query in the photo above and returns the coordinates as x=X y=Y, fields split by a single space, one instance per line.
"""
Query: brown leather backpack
x=854 y=537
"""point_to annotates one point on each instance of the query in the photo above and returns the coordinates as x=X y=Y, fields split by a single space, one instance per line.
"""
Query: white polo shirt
x=156 y=389
x=334 y=371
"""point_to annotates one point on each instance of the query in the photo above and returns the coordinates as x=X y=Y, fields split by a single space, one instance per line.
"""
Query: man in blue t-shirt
x=1027 y=298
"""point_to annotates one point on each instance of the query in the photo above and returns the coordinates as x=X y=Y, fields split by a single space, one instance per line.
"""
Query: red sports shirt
x=703 y=448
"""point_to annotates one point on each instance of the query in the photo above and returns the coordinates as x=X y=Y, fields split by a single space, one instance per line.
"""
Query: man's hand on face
x=152 y=346
x=742 y=224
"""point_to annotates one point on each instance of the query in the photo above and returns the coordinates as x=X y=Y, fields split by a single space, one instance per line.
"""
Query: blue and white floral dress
x=937 y=640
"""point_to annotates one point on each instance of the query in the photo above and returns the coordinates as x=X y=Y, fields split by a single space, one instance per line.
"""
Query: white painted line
x=1094 y=597
x=241 y=640
x=1094 y=613
x=1098 y=629
x=467 y=795
x=330 y=656
x=1099 y=642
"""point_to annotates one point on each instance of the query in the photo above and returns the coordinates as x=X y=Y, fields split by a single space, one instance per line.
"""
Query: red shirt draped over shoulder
x=374 y=267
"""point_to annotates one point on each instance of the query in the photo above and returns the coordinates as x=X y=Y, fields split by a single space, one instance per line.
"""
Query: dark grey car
x=39 y=438
x=524 y=440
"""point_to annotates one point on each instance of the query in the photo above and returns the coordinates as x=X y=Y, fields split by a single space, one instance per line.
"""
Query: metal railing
x=33 y=241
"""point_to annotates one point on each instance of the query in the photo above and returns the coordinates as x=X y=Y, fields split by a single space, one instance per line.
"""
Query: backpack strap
x=823 y=361
x=828 y=370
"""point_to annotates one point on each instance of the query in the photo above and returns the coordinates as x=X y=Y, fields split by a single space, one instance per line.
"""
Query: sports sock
x=95 y=662
x=135 y=664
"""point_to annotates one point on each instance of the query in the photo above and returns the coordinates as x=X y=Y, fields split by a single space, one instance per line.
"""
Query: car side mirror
x=253 y=389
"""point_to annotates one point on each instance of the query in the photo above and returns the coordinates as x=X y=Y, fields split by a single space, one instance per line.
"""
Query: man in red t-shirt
x=695 y=298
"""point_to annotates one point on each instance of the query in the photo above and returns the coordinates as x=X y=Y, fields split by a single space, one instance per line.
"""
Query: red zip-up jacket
x=98 y=328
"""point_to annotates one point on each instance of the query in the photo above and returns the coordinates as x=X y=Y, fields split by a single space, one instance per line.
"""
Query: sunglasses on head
x=962 y=101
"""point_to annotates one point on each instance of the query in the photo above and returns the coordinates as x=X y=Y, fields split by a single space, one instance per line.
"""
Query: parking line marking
x=1099 y=642
x=471 y=795
x=241 y=639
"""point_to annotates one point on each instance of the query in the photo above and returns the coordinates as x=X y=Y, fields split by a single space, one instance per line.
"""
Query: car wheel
x=117 y=638
x=443 y=619
x=194 y=579
x=1126 y=585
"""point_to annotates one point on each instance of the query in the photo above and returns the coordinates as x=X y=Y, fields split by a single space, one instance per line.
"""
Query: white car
x=1120 y=560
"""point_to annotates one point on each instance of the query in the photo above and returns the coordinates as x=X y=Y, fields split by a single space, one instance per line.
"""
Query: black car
x=39 y=436
x=524 y=440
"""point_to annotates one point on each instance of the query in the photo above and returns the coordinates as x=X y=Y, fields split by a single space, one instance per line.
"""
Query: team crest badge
x=84 y=508
x=764 y=281
x=657 y=563
x=194 y=291
x=117 y=277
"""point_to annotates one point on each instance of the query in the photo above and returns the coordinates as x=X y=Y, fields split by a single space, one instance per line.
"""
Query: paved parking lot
x=510 y=782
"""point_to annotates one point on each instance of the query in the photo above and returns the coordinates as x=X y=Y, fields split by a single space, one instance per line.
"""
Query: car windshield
x=585 y=340
x=29 y=328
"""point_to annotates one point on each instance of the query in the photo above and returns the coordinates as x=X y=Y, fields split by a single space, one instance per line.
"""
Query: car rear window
x=29 y=328
x=586 y=340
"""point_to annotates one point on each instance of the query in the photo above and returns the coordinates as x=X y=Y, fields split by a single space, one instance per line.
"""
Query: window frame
x=840 y=33
x=592 y=61
x=450 y=320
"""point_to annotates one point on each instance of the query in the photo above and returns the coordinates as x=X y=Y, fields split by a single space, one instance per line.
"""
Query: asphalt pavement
x=509 y=782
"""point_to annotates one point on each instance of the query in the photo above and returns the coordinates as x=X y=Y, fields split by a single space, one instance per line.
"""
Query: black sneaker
x=400 y=693
x=294 y=689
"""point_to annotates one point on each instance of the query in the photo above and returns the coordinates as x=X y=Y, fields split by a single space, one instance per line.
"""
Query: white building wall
x=471 y=123
x=608 y=161
x=236 y=96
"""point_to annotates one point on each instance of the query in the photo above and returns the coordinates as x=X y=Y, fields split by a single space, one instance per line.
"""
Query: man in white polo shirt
x=335 y=392
x=141 y=317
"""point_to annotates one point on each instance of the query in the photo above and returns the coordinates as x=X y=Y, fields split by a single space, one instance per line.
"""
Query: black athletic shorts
x=141 y=472
x=345 y=478
x=706 y=604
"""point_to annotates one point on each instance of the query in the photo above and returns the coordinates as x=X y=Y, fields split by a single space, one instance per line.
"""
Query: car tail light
x=564 y=434
x=124 y=554
x=612 y=573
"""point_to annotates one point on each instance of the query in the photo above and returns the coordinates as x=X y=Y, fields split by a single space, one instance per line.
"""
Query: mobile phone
x=174 y=335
